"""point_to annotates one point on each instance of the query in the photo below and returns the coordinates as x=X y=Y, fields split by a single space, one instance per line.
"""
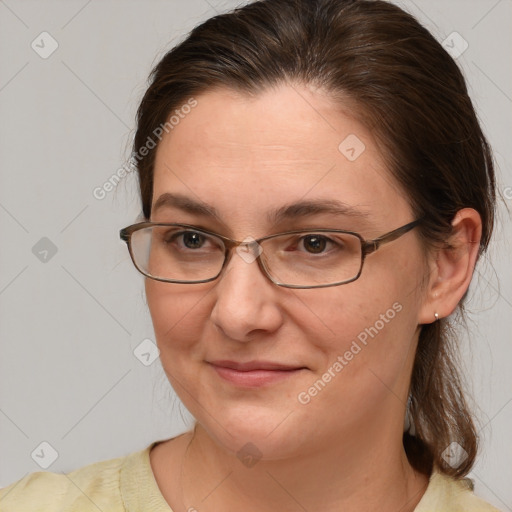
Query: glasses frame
x=367 y=247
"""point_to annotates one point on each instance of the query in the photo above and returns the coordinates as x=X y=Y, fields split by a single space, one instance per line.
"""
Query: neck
x=368 y=471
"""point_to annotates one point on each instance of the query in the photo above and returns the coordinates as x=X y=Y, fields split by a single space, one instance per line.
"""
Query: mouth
x=254 y=373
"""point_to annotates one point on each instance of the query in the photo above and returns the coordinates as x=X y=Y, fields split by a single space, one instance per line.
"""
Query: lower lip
x=254 y=378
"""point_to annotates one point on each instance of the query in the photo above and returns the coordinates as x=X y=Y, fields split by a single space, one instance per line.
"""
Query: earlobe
x=453 y=267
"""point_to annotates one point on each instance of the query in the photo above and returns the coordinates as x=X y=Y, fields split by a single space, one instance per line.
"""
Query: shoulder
x=445 y=493
x=92 y=487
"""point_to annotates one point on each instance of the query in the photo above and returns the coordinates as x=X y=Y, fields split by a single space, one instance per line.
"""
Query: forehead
x=246 y=155
x=281 y=124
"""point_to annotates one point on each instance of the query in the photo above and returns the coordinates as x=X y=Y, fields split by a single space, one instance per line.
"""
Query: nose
x=247 y=302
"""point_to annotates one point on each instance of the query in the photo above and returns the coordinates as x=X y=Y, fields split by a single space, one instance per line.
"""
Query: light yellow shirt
x=127 y=484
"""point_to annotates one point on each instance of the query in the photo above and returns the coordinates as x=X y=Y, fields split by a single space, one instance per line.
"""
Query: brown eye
x=315 y=244
x=192 y=240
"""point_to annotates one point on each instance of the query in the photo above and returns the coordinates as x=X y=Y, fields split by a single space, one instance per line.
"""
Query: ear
x=452 y=267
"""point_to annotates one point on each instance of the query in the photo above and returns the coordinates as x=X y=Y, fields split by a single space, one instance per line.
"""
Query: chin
x=257 y=433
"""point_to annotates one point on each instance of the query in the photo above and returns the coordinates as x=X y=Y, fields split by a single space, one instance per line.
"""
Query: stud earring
x=436 y=315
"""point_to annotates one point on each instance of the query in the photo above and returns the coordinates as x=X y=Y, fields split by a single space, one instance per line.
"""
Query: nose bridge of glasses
x=248 y=249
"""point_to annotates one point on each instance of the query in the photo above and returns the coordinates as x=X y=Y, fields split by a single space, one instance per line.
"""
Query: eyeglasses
x=312 y=258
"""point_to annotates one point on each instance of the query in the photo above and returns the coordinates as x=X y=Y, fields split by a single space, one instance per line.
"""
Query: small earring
x=436 y=315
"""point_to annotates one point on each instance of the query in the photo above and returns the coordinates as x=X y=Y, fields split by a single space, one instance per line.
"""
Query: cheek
x=341 y=314
x=178 y=315
x=370 y=324
x=365 y=360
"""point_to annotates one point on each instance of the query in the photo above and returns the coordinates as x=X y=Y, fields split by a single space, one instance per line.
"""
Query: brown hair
x=409 y=92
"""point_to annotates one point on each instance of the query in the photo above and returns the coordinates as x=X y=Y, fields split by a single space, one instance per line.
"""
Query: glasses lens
x=313 y=258
x=177 y=253
x=180 y=253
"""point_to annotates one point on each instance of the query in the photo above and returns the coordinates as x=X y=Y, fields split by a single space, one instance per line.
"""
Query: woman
x=314 y=206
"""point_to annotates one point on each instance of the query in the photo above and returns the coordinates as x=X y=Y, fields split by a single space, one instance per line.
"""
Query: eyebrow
x=303 y=208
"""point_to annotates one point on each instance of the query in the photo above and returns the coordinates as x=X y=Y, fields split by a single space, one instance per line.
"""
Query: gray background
x=70 y=323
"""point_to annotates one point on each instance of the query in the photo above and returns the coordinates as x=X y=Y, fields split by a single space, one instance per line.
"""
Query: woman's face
x=352 y=345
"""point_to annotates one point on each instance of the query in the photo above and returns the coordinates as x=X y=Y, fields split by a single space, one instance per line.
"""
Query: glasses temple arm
x=370 y=246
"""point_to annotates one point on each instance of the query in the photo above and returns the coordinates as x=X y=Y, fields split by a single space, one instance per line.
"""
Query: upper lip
x=254 y=365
